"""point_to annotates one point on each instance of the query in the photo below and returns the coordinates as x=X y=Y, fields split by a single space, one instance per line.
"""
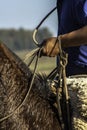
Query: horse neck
x=13 y=80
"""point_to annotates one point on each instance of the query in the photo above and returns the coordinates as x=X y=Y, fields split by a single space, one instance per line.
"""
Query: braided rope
x=63 y=86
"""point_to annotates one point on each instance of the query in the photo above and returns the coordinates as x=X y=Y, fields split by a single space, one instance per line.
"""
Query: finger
x=43 y=52
x=43 y=43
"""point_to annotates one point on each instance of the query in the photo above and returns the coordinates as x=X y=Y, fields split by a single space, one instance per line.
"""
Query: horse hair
x=37 y=112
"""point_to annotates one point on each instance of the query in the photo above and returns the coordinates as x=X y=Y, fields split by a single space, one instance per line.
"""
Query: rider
x=72 y=27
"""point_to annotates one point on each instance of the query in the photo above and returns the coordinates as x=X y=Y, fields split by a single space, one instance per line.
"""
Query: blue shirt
x=73 y=16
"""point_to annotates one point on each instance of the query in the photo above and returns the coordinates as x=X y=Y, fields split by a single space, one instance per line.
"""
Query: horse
x=18 y=109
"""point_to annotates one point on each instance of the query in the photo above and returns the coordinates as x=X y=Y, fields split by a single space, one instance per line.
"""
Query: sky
x=27 y=14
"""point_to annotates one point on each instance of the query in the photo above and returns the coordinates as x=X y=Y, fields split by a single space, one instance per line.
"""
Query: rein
x=35 y=31
x=34 y=53
x=62 y=88
x=58 y=70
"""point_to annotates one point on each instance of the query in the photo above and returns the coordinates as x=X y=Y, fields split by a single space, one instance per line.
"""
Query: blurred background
x=19 y=18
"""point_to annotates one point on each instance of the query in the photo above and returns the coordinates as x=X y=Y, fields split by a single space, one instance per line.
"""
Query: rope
x=62 y=78
x=35 y=31
x=59 y=88
x=9 y=115
x=34 y=53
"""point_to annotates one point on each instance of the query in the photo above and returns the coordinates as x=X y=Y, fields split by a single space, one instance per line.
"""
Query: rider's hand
x=50 y=47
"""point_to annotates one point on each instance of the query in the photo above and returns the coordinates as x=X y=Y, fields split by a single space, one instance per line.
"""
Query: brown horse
x=16 y=113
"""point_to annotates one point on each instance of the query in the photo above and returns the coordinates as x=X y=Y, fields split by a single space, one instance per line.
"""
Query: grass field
x=45 y=64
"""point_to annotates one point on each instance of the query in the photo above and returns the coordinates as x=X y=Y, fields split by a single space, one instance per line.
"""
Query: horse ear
x=13 y=58
x=8 y=53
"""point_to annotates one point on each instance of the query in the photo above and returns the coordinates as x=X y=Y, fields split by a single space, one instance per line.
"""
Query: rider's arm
x=75 y=38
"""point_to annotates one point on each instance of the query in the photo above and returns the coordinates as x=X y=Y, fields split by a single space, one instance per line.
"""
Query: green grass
x=45 y=64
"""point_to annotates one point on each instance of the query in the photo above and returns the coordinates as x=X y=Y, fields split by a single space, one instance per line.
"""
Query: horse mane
x=37 y=112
